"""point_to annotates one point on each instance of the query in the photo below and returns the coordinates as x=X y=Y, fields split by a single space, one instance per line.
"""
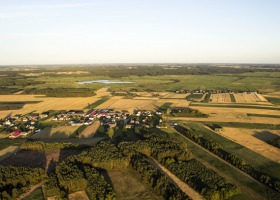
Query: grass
x=5 y=142
x=260 y=162
x=273 y=100
x=232 y=98
x=232 y=175
x=207 y=97
x=235 y=106
x=97 y=103
x=194 y=96
x=36 y=194
x=262 y=115
x=128 y=185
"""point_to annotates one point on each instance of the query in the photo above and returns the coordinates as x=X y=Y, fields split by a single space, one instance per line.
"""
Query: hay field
x=48 y=103
x=90 y=130
x=175 y=96
x=221 y=98
x=175 y=102
x=224 y=114
x=249 y=98
x=129 y=104
x=246 y=138
x=55 y=132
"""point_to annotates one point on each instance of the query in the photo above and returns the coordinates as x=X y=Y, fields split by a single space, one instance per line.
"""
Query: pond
x=103 y=81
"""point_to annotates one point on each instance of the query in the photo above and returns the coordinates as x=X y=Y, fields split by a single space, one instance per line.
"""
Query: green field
x=36 y=194
x=144 y=79
x=262 y=115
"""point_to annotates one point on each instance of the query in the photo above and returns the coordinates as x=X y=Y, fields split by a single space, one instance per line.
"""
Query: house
x=15 y=134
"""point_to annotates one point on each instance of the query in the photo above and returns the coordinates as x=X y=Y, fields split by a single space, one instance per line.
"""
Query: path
x=32 y=188
x=183 y=186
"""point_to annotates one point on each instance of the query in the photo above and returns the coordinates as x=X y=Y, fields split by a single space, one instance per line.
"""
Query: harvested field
x=249 y=98
x=128 y=104
x=221 y=98
x=246 y=138
x=90 y=130
x=128 y=185
x=48 y=103
x=80 y=195
x=239 y=98
x=224 y=114
x=175 y=96
x=175 y=102
x=55 y=132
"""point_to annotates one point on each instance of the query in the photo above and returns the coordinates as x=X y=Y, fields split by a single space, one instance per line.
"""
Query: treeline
x=186 y=112
x=104 y=155
x=155 y=179
x=11 y=106
x=207 y=182
x=61 y=92
x=42 y=146
x=72 y=176
x=242 y=164
x=157 y=146
x=16 y=180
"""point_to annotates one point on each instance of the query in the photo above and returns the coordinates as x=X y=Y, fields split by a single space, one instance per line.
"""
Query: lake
x=104 y=81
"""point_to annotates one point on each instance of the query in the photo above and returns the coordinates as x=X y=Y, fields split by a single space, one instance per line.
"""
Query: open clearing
x=128 y=186
x=246 y=138
x=80 y=195
x=90 y=130
x=55 y=132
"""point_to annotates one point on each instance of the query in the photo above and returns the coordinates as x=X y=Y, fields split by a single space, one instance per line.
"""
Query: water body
x=104 y=81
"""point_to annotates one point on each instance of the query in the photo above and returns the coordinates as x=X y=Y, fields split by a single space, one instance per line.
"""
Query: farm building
x=216 y=127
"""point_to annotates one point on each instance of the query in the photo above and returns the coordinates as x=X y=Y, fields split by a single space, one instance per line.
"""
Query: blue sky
x=139 y=31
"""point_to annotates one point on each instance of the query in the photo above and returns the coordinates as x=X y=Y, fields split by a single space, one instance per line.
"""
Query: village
x=30 y=124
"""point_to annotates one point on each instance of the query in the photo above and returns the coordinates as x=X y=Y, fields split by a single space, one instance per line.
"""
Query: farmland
x=122 y=141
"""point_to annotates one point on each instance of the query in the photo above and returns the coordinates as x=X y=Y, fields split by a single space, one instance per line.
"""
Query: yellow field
x=128 y=104
x=224 y=114
x=249 y=98
x=56 y=132
x=175 y=96
x=48 y=103
x=90 y=130
x=246 y=138
x=221 y=98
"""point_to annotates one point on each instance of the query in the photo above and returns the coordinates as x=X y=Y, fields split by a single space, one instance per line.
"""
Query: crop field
x=47 y=103
x=55 y=132
x=248 y=138
x=220 y=98
x=90 y=130
x=128 y=104
x=175 y=96
x=249 y=98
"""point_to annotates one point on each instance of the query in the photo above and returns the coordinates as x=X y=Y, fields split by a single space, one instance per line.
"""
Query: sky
x=139 y=31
